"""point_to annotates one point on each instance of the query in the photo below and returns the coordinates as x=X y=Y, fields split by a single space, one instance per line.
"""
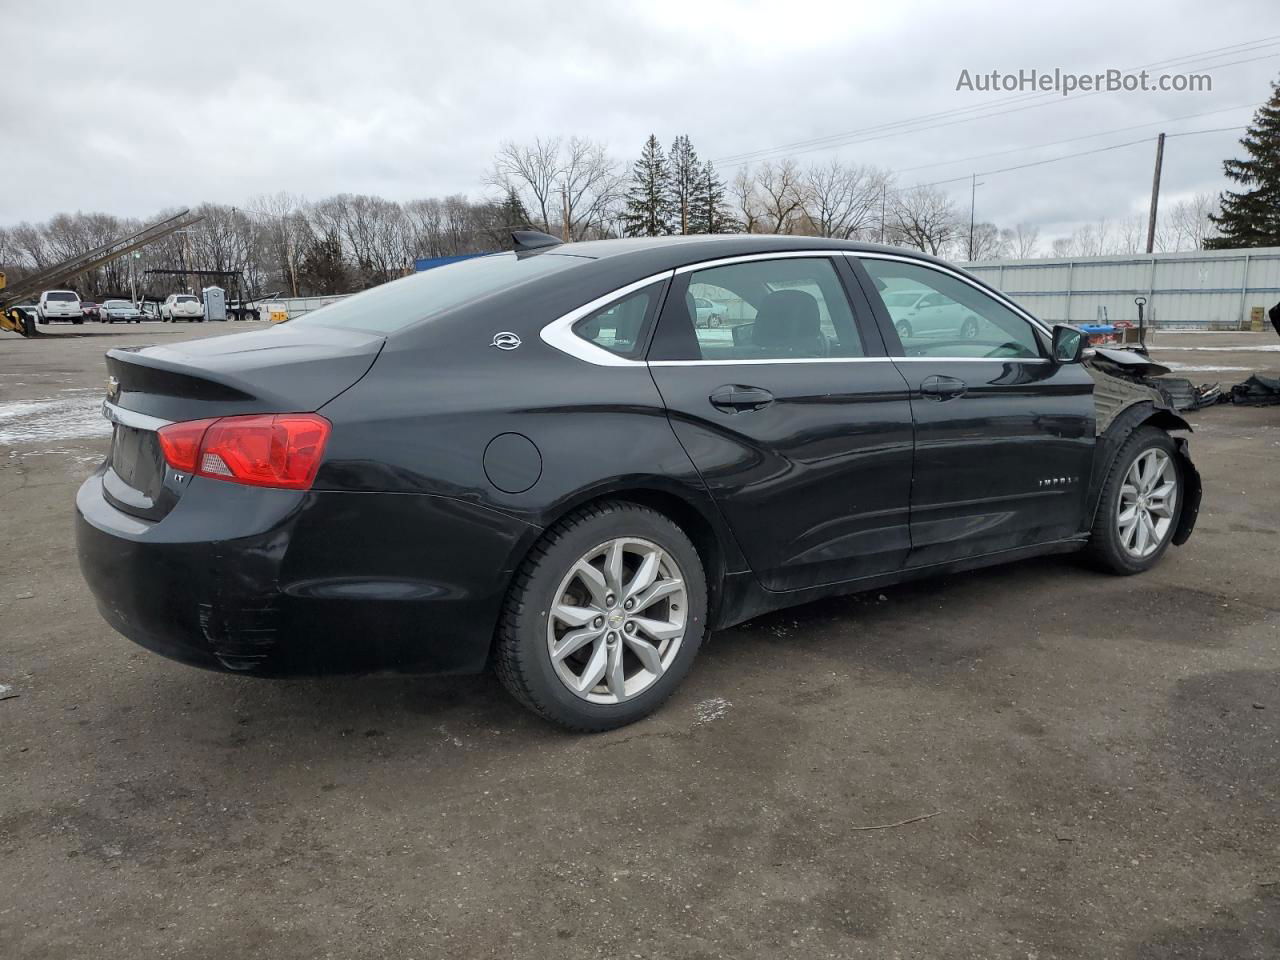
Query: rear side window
x=621 y=327
x=786 y=308
x=395 y=305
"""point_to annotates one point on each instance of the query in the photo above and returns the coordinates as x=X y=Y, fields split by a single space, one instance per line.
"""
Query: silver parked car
x=918 y=312
x=119 y=311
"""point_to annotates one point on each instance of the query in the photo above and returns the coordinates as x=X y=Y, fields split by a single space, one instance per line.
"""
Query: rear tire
x=649 y=665
x=1135 y=522
x=904 y=330
x=969 y=329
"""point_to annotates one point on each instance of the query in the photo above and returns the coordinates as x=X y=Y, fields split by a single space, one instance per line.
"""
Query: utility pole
x=1155 y=195
x=973 y=200
x=884 y=196
x=564 y=226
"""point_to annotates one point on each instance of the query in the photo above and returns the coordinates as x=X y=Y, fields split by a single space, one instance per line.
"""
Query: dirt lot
x=1098 y=758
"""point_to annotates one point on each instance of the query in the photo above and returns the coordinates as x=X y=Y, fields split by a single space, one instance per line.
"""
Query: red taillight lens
x=264 y=450
x=180 y=443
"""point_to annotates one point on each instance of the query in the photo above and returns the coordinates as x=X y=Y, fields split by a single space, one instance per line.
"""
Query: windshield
x=117 y=305
x=395 y=305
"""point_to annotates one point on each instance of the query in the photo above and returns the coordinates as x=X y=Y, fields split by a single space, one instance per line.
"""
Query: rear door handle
x=943 y=388
x=732 y=398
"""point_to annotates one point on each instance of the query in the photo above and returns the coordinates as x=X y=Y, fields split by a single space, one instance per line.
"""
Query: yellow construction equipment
x=24 y=322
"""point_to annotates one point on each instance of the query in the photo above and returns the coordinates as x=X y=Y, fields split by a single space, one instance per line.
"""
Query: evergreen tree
x=648 y=208
x=512 y=213
x=684 y=176
x=708 y=213
x=1251 y=218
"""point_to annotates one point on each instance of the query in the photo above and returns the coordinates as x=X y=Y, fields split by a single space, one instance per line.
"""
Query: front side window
x=620 y=326
x=785 y=308
x=938 y=315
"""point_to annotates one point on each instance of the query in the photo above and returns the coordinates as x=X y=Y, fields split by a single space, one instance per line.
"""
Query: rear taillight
x=261 y=450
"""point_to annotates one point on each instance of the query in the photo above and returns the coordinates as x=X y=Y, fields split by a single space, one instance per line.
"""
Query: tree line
x=575 y=189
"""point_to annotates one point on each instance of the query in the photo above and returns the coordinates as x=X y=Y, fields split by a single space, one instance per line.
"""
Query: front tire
x=1140 y=505
x=904 y=330
x=603 y=619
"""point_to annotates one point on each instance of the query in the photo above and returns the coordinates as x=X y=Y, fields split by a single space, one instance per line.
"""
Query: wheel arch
x=692 y=512
x=1109 y=443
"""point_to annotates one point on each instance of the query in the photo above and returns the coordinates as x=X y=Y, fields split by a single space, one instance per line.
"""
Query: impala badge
x=505 y=341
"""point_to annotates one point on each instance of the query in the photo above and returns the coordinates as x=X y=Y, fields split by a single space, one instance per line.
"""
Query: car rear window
x=187 y=300
x=61 y=297
x=395 y=305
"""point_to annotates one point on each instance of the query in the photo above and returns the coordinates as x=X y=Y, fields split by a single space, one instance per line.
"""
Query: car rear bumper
x=276 y=583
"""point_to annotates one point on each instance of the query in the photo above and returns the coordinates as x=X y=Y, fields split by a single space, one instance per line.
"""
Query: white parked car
x=182 y=306
x=119 y=311
x=59 y=305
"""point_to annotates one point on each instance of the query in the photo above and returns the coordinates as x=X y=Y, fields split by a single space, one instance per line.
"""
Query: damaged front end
x=1126 y=396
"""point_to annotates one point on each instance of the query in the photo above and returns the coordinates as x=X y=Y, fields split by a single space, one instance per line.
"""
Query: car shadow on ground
x=915 y=630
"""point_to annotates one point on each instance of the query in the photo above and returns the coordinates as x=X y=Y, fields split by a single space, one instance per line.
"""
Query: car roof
x=662 y=253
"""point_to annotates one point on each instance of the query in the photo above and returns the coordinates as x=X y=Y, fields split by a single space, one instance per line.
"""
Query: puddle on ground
x=53 y=418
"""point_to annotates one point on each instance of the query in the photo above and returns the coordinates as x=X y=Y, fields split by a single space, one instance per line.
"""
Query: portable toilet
x=215 y=303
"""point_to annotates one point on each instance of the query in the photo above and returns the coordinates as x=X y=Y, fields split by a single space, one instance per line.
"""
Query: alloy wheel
x=617 y=620
x=1148 y=498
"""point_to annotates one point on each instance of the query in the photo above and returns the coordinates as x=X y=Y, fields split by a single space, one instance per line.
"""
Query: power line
x=894 y=128
x=1070 y=156
x=1087 y=136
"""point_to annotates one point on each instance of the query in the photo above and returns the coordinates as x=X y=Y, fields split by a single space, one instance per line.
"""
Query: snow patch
x=54 y=418
x=1200 y=367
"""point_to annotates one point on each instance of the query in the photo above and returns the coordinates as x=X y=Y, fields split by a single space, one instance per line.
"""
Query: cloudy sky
x=128 y=107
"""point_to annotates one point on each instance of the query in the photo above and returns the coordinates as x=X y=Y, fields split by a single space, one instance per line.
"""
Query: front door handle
x=943 y=388
x=732 y=398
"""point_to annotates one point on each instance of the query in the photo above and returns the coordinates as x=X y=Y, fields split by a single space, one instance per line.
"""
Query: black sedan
x=542 y=462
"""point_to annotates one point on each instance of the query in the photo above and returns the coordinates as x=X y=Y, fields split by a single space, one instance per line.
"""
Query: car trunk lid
x=280 y=370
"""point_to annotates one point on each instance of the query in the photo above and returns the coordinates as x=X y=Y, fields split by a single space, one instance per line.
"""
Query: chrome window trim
x=768 y=360
x=750 y=362
x=559 y=332
x=131 y=418
x=750 y=257
x=994 y=294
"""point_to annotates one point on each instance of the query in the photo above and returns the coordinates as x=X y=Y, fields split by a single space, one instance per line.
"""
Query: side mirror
x=1068 y=344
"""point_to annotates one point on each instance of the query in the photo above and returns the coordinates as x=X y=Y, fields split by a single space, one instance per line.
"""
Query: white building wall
x=1200 y=289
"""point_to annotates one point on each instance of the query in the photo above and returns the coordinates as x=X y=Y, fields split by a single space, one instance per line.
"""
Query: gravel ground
x=1095 y=761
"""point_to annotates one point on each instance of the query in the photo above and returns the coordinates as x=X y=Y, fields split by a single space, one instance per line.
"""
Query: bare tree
x=842 y=201
x=780 y=188
x=593 y=188
x=572 y=184
x=924 y=218
x=746 y=200
x=532 y=171
x=986 y=243
x=1022 y=241
x=1190 y=223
